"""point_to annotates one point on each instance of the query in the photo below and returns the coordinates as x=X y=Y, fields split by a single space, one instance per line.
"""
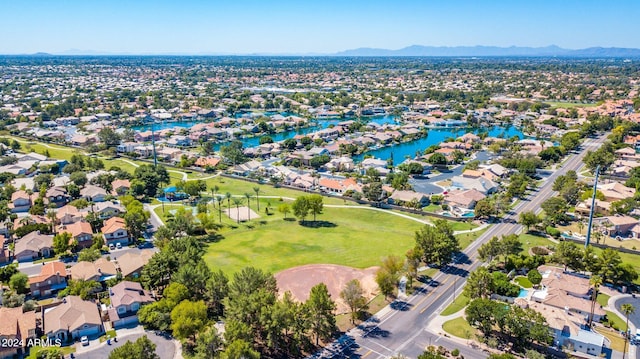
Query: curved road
x=633 y=318
x=402 y=327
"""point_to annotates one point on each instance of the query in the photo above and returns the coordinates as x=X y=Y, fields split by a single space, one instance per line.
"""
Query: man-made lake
x=435 y=136
x=399 y=152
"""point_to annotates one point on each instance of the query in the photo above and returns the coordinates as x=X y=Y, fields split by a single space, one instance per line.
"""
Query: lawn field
x=459 y=327
x=356 y=238
x=460 y=302
x=569 y=104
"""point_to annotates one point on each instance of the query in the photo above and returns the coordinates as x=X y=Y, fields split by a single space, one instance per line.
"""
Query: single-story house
x=126 y=299
x=33 y=246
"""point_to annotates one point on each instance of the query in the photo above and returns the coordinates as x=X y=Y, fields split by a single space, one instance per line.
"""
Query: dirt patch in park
x=300 y=280
x=241 y=213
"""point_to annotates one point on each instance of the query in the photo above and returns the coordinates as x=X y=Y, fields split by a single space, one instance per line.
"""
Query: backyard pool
x=523 y=293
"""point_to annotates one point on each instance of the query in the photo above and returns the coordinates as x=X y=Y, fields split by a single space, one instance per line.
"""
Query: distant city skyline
x=304 y=27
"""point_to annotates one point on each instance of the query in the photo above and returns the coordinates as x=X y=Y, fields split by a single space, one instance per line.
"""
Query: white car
x=84 y=340
x=119 y=246
x=111 y=247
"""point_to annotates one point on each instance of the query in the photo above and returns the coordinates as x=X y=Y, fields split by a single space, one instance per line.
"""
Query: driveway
x=165 y=347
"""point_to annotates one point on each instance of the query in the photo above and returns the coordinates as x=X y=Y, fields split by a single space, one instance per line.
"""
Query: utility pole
x=593 y=207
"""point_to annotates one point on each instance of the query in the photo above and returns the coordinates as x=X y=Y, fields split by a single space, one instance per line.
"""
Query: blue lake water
x=435 y=136
x=399 y=152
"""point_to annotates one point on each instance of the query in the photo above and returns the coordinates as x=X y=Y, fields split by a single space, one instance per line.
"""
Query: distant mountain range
x=480 y=51
x=414 y=50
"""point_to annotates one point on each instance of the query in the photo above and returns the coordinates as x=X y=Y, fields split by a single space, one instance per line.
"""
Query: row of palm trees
x=236 y=201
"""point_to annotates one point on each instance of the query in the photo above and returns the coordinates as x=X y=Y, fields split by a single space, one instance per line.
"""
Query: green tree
x=83 y=288
x=233 y=153
x=240 y=349
x=569 y=255
x=352 y=294
x=208 y=344
x=315 y=205
x=19 y=282
x=89 y=255
x=555 y=208
x=437 y=159
x=386 y=282
x=320 y=307
x=437 y=243
x=301 y=207
x=109 y=137
x=534 y=277
x=484 y=208
x=480 y=284
x=188 y=318
x=284 y=208
x=78 y=178
x=61 y=242
x=142 y=348
x=529 y=219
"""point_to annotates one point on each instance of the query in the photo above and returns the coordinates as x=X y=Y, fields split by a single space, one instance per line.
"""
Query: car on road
x=146 y=244
x=84 y=340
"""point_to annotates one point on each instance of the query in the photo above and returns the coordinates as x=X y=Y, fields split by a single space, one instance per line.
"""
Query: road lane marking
x=369 y=352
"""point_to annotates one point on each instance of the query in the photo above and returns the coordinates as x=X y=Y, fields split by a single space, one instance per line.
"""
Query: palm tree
x=237 y=202
x=214 y=190
x=580 y=226
x=627 y=309
x=595 y=282
x=51 y=216
x=220 y=199
x=228 y=195
x=248 y=205
x=257 y=191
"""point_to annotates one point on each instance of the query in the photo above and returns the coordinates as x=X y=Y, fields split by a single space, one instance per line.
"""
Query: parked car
x=84 y=340
x=119 y=246
x=111 y=247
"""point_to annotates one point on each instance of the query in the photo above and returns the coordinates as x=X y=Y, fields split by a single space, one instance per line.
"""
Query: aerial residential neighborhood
x=305 y=180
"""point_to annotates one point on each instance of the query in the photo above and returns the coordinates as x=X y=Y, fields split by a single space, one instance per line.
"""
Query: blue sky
x=304 y=26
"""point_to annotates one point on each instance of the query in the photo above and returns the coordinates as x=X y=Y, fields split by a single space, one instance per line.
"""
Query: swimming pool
x=523 y=293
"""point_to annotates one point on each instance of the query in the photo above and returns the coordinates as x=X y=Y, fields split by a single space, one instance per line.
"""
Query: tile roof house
x=73 y=319
x=58 y=196
x=130 y=264
x=32 y=246
x=68 y=214
x=20 y=202
x=404 y=197
x=106 y=210
x=568 y=330
x=619 y=225
x=126 y=299
x=120 y=187
x=115 y=231
x=80 y=231
x=16 y=325
x=100 y=270
x=52 y=277
x=93 y=193
x=481 y=184
x=464 y=199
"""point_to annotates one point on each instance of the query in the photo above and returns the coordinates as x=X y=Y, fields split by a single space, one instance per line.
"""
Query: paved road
x=403 y=326
x=633 y=318
x=165 y=347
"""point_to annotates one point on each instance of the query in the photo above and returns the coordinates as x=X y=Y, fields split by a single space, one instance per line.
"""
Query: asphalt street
x=633 y=318
x=403 y=328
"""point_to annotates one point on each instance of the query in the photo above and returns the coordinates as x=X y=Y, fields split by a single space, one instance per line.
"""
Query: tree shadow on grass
x=290 y=219
x=318 y=224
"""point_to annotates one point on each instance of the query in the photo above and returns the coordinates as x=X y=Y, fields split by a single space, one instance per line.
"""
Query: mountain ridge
x=487 y=51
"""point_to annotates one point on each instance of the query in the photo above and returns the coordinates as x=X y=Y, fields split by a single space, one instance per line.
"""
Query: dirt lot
x=299 y=280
